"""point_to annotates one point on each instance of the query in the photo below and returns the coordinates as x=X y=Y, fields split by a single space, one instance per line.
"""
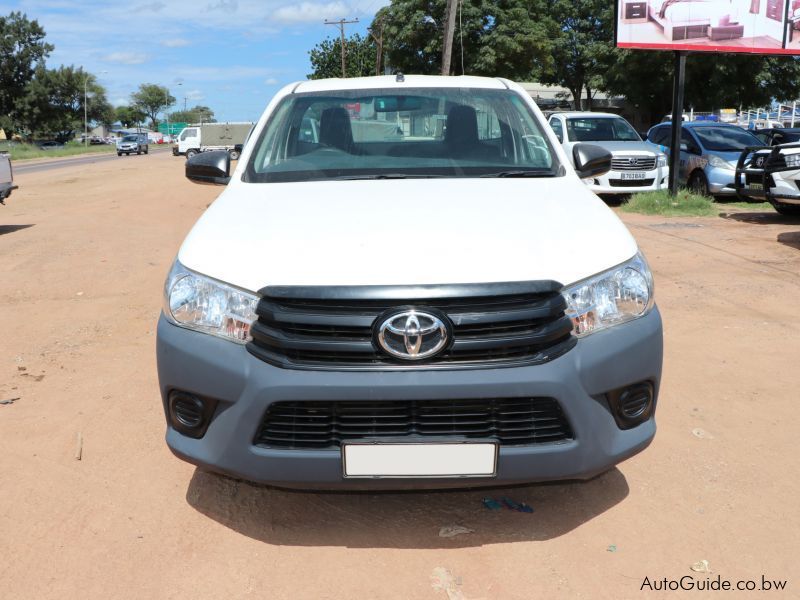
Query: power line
x=341 y=23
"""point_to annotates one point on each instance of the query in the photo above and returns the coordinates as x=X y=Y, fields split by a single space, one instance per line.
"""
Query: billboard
x=750 y=26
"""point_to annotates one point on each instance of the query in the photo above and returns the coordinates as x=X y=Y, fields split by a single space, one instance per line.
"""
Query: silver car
x=709 y=153
x=136 y=142
x=6 y=177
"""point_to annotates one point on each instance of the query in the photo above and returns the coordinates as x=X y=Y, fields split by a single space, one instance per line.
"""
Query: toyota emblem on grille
x=413 y=334
x=760 y=162
x=633 y=161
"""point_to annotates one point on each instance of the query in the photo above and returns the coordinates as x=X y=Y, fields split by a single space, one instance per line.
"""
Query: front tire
x=788 y=210
x=698 y=184
x=119 y=153
x=190 y=153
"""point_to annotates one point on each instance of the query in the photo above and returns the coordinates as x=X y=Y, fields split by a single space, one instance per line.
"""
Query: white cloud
x=175 y=43
x=126 y=58
x=271 y=81
x=311 y=11
x=195 y=95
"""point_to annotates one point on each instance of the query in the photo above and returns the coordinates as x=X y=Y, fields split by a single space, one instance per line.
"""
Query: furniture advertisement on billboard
x=750 y=26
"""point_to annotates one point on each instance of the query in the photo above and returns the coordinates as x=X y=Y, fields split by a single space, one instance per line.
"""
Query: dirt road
x=83 y=255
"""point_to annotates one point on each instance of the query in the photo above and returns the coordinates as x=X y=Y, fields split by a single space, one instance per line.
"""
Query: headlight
x=718 y=163
x=662 y=160
x=792 y=160
x=203 y=304
x=622 y=294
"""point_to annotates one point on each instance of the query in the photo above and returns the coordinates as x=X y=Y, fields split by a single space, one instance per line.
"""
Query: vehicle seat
x=461 y=135
x=335 y=130
x=603 y=130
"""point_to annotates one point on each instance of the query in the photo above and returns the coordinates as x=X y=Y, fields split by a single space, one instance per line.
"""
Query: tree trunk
x=588 y=98
x=576 y=97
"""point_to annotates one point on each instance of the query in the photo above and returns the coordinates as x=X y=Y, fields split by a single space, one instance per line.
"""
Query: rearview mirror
x=590 y=160
x=211 y=168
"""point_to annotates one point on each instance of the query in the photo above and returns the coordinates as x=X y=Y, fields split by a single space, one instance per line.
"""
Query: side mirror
x=684 y=147
x=211 y=168
x=590 y=160
x=560 y=138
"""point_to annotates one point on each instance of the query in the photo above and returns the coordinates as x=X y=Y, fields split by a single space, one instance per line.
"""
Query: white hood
x=405 y=232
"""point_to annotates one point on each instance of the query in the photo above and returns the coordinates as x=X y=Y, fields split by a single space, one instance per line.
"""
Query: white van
x=433 y=300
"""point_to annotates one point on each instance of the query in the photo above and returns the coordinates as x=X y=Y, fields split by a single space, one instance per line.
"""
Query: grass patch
x=685 y=204
x=755 y=206
x=26 y=151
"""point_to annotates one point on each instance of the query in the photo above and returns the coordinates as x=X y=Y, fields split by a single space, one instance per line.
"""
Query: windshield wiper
x=386 y=176
x=520 y=174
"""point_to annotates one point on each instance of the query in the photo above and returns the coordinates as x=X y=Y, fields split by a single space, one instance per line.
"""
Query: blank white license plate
x=633 y=175
x=419 y=460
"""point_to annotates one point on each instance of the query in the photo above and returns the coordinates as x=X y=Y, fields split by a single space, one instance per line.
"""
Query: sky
x=229 y=55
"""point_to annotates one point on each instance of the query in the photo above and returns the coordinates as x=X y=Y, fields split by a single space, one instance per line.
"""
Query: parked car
x=709 y=153
x=771 y=173
x=635 y=166
x=776 y=136
x=451 y=306
x=50 y=145
x=136 y=142
x=6 y=177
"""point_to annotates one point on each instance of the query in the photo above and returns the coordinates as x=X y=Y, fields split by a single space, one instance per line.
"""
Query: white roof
x=581 y=115
x=389 y=81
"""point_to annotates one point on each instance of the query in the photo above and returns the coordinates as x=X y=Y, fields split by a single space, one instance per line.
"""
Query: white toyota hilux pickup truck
x=418 y=291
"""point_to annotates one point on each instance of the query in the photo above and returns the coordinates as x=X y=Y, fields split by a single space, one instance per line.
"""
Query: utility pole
x=341 y=23
x=379 y=44
x=449 y=31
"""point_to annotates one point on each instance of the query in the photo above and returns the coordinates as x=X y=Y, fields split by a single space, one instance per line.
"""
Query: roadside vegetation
x=22 y=151
x=684 y=204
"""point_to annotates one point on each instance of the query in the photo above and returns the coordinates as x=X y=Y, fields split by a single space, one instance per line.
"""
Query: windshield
x=601 y=129
x=725 y=139
x=129 y=138
x=376 y=134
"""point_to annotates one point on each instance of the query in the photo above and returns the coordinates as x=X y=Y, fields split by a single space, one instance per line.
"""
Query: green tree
x=198 y=114
x=326 y=57
x=129 y=116
x=498 y=38
x=22 y=50
x=152 y=99
x=581 y=34
x=644 y=78
x=53 y=103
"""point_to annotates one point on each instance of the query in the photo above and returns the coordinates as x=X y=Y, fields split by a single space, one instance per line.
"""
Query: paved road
x=74 y=161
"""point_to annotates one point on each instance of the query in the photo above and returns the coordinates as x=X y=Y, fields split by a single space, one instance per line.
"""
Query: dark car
x=775 y=136
x=51 y=145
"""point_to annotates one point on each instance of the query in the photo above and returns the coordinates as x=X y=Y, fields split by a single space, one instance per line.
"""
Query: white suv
x=635 y=166
x=422 y=294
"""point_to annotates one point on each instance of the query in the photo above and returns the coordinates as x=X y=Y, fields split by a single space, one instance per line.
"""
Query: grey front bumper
x=245 y=386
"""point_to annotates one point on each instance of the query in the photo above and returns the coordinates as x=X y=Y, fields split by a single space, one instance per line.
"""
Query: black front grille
x=630 y=183
x=509 y=421
x=302 y=328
